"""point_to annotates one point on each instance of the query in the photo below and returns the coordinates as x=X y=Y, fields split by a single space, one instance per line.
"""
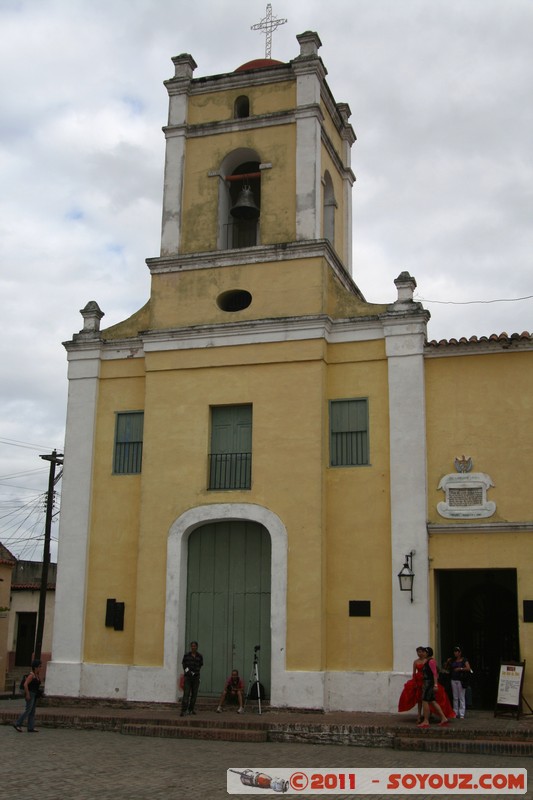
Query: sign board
x=509 y=698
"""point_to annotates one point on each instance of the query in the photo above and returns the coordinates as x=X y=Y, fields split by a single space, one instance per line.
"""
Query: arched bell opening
x=245 y=205
x=240 y=200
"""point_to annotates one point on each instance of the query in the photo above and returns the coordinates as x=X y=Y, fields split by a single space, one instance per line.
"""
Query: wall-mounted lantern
x=406 y=576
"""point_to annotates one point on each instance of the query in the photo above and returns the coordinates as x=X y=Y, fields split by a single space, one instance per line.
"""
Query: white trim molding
x=176 y=598
x=64 y=672
x=404 y=337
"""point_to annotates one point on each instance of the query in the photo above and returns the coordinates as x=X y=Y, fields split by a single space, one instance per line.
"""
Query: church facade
x=253 y=456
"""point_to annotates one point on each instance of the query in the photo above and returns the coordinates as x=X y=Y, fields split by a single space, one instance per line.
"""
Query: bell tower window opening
x=238 y=213
x=242 y=228
x=241 y=109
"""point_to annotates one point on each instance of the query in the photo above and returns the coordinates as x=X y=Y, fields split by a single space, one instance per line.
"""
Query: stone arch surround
x=176 y=580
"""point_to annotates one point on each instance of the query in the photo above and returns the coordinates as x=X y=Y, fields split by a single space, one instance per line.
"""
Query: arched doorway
x=478 y=609
x=228 y=599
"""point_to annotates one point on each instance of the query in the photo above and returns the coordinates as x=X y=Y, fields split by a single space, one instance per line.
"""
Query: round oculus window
x=234 y=300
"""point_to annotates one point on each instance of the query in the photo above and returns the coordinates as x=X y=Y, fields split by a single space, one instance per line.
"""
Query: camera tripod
x=254 y=679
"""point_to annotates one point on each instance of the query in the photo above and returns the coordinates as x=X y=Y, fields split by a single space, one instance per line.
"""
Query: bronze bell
x=245 y=207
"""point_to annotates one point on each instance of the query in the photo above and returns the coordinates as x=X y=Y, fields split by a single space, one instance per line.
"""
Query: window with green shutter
x=348 y=433
x=230 y=459
x=127 y=458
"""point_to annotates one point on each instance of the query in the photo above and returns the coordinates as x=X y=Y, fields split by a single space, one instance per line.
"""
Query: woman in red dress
x=412 y=691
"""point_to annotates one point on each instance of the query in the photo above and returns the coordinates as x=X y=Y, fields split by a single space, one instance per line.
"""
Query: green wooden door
x=228 y=600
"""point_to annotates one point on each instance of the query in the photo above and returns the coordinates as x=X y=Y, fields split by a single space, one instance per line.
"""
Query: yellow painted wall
x=218 y=105
x=287 y=478
x=189 y=298
x=275 y=145
x=290 y=477
x=481 y=406
x=478 y=406
x=358 y=519
x=279 y=289
x=112 y=570
x=338 y=519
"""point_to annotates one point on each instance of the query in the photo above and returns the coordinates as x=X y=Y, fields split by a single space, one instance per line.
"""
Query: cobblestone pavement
x=69 y=764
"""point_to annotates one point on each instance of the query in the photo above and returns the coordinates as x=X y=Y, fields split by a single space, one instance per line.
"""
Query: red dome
x=259 y=63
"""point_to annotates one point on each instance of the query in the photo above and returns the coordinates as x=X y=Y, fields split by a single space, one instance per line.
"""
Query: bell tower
x=257 y=195
x=259 y=156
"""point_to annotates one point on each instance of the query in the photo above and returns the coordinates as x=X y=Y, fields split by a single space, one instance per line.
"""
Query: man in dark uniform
x=192 y=663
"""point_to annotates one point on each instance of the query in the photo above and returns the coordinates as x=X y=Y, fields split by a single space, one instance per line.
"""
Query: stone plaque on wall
x=466 y=493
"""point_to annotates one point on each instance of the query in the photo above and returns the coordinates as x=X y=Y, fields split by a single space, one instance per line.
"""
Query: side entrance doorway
x=228 y=601
x=478 y=610
x=26 y=627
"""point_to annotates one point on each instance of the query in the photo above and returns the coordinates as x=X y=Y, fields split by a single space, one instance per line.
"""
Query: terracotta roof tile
x=17 y=587
x=501 y=338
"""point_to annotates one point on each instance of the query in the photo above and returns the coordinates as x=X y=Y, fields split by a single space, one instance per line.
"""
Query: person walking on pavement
x=192 y=663
x=31 y=692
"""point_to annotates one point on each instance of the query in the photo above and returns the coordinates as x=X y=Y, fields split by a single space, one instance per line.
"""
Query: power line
x=23 y=488
x=30 y=504
x=20 y=474
x=473 y=302
x=28 y=445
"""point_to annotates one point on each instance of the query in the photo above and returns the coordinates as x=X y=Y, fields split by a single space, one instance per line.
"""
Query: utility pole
x=55 y=458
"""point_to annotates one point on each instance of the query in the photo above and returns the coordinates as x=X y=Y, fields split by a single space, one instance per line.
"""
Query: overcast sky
x=441 y=99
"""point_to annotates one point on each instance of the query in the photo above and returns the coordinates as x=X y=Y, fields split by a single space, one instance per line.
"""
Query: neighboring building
x=250 y=457
x=7 y=562
x=19 y=607
x=23 y=617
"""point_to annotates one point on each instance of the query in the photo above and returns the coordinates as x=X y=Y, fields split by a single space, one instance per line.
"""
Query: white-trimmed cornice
x=84 y=347
x=339 y=113
x=286 y=329
x=404 y=328
x=277 y=73
x=260 y=254
x=102 y=349
x=481 y=527
x=84 y=359
x=230 y=125
x=308 y=111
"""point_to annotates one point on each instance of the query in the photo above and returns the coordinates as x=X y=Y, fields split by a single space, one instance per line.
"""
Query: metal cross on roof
x=267 y=25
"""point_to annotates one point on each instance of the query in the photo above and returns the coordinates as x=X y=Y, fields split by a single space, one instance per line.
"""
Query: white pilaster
x=310 y=73
x=347 y=184
x=63 y=675
x=175 y=133
x=404 y=337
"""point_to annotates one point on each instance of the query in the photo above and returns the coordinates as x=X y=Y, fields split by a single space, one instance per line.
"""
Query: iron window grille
x=230 y=470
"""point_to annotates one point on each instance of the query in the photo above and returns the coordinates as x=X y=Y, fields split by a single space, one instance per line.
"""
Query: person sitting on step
x=233 y=690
